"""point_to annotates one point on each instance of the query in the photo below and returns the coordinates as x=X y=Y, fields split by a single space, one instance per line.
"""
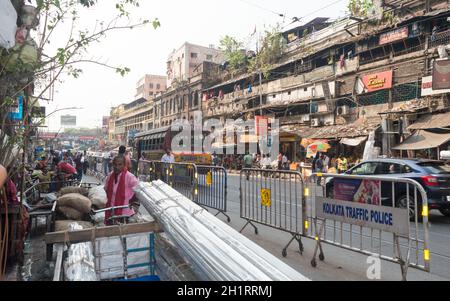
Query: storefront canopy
x=423 y=140
x=431 y=122
x=353 y=141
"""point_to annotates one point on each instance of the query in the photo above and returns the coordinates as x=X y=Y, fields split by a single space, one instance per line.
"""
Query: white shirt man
x=168 y=158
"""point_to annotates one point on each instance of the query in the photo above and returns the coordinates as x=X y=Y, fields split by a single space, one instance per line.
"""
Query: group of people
x=321 y=162
x=251 y=161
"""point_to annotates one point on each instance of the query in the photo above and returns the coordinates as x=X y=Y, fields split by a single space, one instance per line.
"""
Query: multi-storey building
x=150 y=85
x=342 y=81
x=183 y=62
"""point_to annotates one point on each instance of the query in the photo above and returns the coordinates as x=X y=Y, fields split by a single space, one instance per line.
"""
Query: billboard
x=427 y=87
x=68 y=120
x=394 y=35
x=441 y=75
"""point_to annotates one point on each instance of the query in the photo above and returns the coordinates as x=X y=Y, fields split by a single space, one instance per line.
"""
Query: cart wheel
x=313 y=263
x=321 y=257
x=284 y=253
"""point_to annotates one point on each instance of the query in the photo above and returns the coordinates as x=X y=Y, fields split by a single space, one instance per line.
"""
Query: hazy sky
x=145 y=50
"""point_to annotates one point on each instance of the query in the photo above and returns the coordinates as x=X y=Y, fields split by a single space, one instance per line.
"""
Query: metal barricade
x=212 y=188
x=370 y=215
x=273 y=198
x=181 y=176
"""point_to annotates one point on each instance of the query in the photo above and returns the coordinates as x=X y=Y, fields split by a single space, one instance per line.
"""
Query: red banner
x=378 y=81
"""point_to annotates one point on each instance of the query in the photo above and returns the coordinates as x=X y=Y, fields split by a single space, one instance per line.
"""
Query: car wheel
x=401 y=203
x=445 y=212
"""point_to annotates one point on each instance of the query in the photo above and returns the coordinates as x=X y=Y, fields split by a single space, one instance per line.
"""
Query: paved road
x=342 y=264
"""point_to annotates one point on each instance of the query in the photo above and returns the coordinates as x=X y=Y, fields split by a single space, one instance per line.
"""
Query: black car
x=434 y=176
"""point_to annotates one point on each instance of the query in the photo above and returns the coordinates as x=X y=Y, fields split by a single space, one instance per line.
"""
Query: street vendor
x=119 y=187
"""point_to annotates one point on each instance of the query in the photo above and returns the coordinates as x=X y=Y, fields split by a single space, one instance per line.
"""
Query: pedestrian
x=123 y=152
x=106 y=161
x=248 y=163
x=168 y=157
x=285 y=162
x=79 y=166
x=342 y=164
x=280 y=161
x=119 y=187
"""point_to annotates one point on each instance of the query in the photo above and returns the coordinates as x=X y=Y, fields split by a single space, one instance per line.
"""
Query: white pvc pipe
x=217 y=251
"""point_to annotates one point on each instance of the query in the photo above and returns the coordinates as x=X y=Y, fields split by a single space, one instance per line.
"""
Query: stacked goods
x=98 y=197
x=66 y=190
x=74 y=206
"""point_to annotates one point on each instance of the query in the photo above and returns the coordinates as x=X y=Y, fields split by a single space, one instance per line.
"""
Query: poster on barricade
x=359 y=191
x=389 y=219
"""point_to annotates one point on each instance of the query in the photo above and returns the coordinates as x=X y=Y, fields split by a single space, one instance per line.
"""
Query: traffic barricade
x=380 y=216
x=181 y=176
x=212 y=188
x=273 y=198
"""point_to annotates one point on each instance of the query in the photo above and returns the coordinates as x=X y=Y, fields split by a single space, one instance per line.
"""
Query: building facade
x=150 y=85
x=183 y=62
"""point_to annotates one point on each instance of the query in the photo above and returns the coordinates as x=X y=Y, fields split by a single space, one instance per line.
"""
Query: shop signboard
x=427 y=87
x=377 y=81
x=394 y=35
x=441 y=75
x=16 y=112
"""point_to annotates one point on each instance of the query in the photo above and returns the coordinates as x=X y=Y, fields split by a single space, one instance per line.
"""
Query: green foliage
x=360 y=8
x=232 y=50
x=272 y=48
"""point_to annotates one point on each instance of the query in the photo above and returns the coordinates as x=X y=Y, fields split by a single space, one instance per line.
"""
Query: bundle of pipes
x=216 y=251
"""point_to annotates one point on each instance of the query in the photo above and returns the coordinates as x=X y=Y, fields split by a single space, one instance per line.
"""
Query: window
x=368 y=168
x=390 y=168
x=158 y=86
x=193 y=55
x=209 y=57
x=151 y=86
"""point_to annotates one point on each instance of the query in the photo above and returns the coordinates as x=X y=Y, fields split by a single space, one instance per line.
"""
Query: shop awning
x=359 y=128
x=423 y=140
x=353 y=141
x=431 y=122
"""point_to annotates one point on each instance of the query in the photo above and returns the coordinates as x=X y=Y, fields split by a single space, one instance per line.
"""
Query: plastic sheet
x=218 y=252
x=79 y=265
x=8 y=18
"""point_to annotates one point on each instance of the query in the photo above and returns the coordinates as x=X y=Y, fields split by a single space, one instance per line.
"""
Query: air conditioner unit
x=315 y=122
x=306 y=118
x=343 y=110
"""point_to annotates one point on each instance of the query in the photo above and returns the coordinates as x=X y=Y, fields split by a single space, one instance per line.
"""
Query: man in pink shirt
x=119 y=187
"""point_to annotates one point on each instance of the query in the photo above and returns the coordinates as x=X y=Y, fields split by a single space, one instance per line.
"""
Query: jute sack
x=98 y=197
x=75 y=201
x=66 y=190
x=70 y=213
x=64 y=225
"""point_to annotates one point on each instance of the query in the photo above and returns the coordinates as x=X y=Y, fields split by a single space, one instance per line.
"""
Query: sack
x=81 y=190
x=64 y=225
x=70 y=213
x=76 y=201
x=98 y=197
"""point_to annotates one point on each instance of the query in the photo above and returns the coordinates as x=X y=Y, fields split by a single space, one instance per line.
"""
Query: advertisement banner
x=377 y=81
x=441 y=75
x=358 y=191
x=394 y=35
x=427 y=87
x=394 y=220
x=68 y=120
x=16 y=113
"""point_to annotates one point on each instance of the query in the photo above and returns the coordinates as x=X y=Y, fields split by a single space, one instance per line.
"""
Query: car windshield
x=436 y=167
